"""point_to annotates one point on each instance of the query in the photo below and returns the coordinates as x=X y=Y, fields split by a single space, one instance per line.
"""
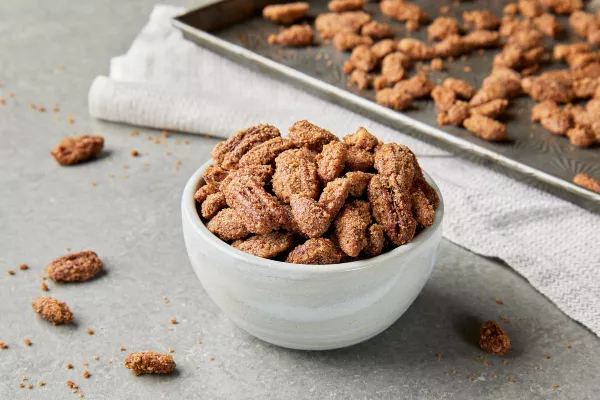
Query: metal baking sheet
x=235 y=29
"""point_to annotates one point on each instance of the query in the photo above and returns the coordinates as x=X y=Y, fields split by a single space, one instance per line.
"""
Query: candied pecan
x=52 y=310
x=482 y=39
x=312 y=218
x=455 y=114
x=581 y=136
x=530 y=8
x=363 y=58
x=550 y=89
x=396 y=159
x=347 y=67
x=451 y=46
x=334 y=196
x=548 y=25
x=296 y=175
x=331 y=161
x=579 y=115
x=531 y=57
x=345 y=5
x=403 y=11
x=227 y=154
x=329 y=24
x=260 y=173
x=318 y=251
x=558 y=122
x=509 y=57
x=422 y=208
x=491 y=109
x=587 y=182
x=358 y=159
x=563 y=51
x=442 y=27
x=73 y=150
x=526 y=39
x=593 y=106
x=416 y=87
x=344 y=41
x=511 y=9
x=391 y=98
x=202 y=193
x=564 y=6
x=383 y=48
x=257 y=209
x=303 y=133
x=486 y=128
x=508 y=79
x=392 y=68
x=74 y=267
x=375 y=240
x=511 y=24
x=362 y=139
x=294 y=36
x=391 y=205
x=487 y=94
x=377 y=30
x=493 y=339
x=266 y=152
x=361 y=79
x=351 y=227
x=416 y=49
x=443 y=97
x=582 y=22
x=420 y=183
x=213 y=204
x=580 y=61
x=288 y=221
x=481 y=19
x=227 y=225
x=586 y=87
x=397 y=60
x=149 y=362
x=379 y=82
x=267 y=245
x=463 y=89
x=214 y=175
x=357 y=182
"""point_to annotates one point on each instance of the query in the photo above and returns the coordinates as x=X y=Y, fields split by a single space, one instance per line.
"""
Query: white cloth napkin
x=167 y=82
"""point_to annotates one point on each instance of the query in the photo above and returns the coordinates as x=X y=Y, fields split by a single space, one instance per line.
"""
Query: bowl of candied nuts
x=312 y=242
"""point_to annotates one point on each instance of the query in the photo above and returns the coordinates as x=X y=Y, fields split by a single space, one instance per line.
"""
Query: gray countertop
x=51 y=51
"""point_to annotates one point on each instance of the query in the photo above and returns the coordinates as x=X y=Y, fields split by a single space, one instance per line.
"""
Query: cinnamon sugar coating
x=486 y=128
x=463 y=89
x=266 y=152
x=394 y=99
x=285 y=13
x=329 y=24
x=331 y=161
x=204 y=191
x=313 y=218
x=345 y=5
x=303 y=133
x=74 y=267
x=491 y=109
x=362 y=139
x=267 y=245
x=442 y=27
x=296 y=175
x=213 y=204
x=358 y=159
x=259 y=211
x=227 y=225
x=73 y=150
x=213 y=176
x=481 y=20
x=149 y=362
x=375 y=240
x=403 y=11
x=416 y=49
x=52 y=310
x=493 y=339
x=227 y=154
x=363 y=58
x=351 y=227
x=344 y=41
x=319 y=251
x=377 y=30
x=383 y=48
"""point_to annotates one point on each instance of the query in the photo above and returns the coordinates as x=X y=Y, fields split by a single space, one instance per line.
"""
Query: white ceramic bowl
x=309 y=307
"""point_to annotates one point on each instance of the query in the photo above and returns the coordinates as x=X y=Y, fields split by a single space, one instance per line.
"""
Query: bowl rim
x=188 y=207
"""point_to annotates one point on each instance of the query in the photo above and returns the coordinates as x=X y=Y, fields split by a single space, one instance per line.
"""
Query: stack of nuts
x=380 y=61
x=311 y=198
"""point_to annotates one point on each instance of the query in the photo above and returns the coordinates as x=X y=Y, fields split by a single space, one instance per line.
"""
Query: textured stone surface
x=134 y=225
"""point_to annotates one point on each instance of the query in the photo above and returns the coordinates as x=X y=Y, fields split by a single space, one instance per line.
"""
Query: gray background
x=132 y=220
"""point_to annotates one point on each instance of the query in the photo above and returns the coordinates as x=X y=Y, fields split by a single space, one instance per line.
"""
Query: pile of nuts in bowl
x=312 y=198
